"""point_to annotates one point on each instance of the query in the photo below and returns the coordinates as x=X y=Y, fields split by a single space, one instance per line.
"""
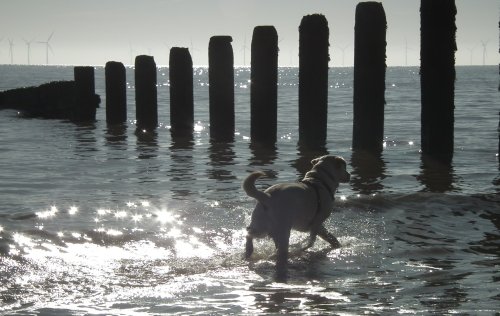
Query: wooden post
x=437 y=77
x=369 y=77
x=313 y=78
x=264 y=85
x=85 y=94
x=116 y=93
x=181 y=92
x=221 y=88
x=146 y=100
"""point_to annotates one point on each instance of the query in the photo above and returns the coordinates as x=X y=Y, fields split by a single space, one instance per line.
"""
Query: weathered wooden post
x=437 y=77
x=369 y=77
x=264 y=85
x=313 y=78
x=116 y=93
x=84 y=94
x=146 y=100
x=181 y=92
x=221 y=88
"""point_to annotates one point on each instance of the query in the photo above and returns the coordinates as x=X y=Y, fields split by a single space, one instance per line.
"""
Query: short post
x=437 y=77
x=181 y=92
x=146 y=100
x=313 y=78
x=85 y=94
x=264 y=85
x=221 y=88
x=116 y=93
x=369 y=77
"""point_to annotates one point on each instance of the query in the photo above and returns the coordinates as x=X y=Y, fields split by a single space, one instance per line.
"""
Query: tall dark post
x=116 y=93
x=221 y=88
x=369 y=77
x=85 y=94
x=146 y=100
x=264 y=85
x=181 y=92
x=437 y=77
x=313 y=79
x=498 y=130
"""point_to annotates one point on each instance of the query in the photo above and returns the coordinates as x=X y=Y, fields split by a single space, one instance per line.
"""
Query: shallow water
x=98 y=220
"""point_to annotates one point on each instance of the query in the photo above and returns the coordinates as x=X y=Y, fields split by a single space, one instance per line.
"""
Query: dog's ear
x=316 y=160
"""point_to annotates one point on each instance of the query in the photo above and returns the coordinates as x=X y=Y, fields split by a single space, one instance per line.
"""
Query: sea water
x=98 y=220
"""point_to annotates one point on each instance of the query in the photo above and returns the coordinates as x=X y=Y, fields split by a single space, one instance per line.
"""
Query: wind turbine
x=192 y=49
x=11 y=52
x=28 y=44
x=484 y=43
x=343 y=48
x=47 y=46
x=244 y=49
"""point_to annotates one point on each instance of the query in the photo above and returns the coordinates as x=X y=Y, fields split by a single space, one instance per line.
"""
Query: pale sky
x=92 y=32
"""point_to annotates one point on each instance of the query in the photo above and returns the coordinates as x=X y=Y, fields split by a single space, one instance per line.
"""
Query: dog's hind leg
x=248 y=247
x=327 y=236
x=310 y=241
x=281 y=240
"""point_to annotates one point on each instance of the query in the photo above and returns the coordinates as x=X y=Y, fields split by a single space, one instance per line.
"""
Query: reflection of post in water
x=116 y=134
x=85 y=137
x=147 y=143
x=181 y=167
x=221 y=156
x=308 y=152
x=263 y=155
x=435 y=175
x=368 y=171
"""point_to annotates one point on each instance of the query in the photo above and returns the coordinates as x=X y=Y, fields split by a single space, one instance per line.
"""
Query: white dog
x=303 y=206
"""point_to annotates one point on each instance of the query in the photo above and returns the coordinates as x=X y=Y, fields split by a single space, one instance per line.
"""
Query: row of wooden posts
x=437 y=82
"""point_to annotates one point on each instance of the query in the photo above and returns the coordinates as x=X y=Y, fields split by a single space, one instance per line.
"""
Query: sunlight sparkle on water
x=121 y=214
x=137 y=217
x=73 y=210
x=114 y=232
x=49 y=213
x=131 y=204
x=102 y=212
x=165 y=216
x=198 y=127
x=174 y=233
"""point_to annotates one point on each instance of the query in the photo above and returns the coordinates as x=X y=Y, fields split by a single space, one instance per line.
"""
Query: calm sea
x=100 y=221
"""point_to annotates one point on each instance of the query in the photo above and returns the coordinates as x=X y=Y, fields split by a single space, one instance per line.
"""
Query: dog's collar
x=323 y=183
x=315 y=187
x=328 y=175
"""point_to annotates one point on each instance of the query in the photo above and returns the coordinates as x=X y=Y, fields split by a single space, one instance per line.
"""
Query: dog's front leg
x=327 y=236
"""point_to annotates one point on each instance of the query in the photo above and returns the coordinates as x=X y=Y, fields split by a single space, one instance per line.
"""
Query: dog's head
x=335 y=166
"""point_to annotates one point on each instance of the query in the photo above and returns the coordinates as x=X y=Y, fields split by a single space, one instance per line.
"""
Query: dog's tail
x=251 y=190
